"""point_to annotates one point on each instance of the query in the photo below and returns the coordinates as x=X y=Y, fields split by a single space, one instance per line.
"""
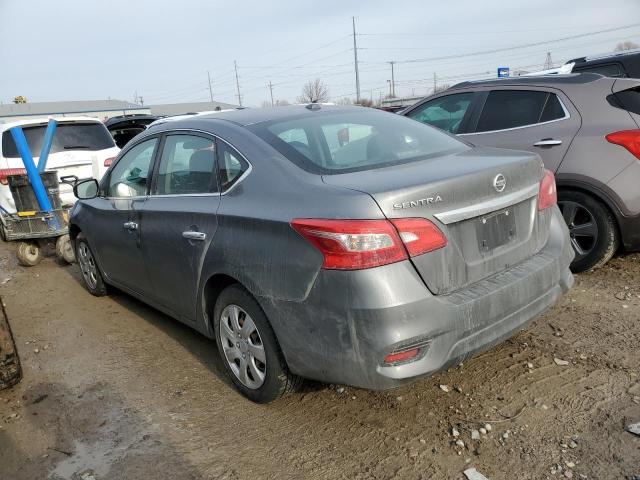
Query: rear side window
x=231 y=166
x=627 y=99
x=610 y=70
x=186 y=166
x=356 y=140
x=445 y=113
x=68 y=136
x=506 y=109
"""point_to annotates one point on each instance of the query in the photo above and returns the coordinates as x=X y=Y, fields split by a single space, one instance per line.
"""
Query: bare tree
x=265 y=104
x=344 y=101
x=20 y=99
x=365 y=102
x=314 y=91
x=625 y=46
x=281 y=103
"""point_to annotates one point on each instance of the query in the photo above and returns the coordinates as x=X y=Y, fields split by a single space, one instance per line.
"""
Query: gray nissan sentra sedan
x=340 y=244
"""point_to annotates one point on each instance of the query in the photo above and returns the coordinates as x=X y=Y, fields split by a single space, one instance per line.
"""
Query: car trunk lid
x=483 y=200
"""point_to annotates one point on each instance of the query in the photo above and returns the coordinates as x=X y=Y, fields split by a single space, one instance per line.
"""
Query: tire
x=29 y=254
x=270 y=379
x=89 y=269
x=3 y=233
x=592 y=228
x=64 y=249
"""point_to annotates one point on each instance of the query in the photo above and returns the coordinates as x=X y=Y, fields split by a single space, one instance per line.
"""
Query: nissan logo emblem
x=499 y=182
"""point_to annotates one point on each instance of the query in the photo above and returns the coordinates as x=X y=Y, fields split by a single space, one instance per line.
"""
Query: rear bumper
x=351 y=320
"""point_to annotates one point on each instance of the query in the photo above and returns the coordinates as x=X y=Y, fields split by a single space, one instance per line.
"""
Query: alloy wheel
x=87 y=265
x=242 y=346
x=583 y=229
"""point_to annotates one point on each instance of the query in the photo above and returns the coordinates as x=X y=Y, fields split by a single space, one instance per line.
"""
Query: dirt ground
x=113 y=389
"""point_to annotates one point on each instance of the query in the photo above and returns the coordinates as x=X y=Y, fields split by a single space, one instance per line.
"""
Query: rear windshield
x=627 y=99
x=331 y=142
x=68 y=136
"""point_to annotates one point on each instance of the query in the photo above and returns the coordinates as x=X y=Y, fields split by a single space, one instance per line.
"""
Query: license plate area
x=496 y=229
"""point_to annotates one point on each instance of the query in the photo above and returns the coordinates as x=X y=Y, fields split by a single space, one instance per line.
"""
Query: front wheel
x=249 y=349
x=592 y=229
x=89 y=268
x=29 y=254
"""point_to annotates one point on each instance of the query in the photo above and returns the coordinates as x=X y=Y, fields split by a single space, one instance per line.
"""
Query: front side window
x=446 y=112
x=231 y=166
x=357 y=140
x=129 y=177
x=505 y=109
x=186 y=166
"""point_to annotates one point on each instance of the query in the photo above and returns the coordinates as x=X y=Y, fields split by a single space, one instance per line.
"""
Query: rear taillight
x=109 y=161
x=5 y=172
x=419 y=235
x=352 y=244
x=629 y=139
x=548 y=195
x=359 y=244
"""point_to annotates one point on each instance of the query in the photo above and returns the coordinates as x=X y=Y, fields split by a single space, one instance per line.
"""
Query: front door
x=540 y=121
x=180 y=219
x=117 y=236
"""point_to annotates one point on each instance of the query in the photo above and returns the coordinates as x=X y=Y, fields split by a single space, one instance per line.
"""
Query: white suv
x=82 y=146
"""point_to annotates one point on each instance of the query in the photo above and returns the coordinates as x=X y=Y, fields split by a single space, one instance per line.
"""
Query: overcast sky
x=87 y=50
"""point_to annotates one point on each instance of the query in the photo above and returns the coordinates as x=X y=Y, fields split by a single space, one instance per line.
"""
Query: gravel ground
x=113 y=389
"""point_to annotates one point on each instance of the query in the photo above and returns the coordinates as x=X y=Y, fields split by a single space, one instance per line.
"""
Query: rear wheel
x=89 y=268
x=248 y=347
x=29 y=254
x=592 y=229
x=64 y=249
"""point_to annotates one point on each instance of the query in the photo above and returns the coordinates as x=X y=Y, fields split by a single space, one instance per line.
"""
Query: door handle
x=131 y=226
x=547 y=142
x=191 y=235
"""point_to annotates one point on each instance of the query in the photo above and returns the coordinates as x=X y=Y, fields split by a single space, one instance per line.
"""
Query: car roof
x=559 y=79
x=134 y=116
x=44 y=120
x=250 y=116
x=606 y=56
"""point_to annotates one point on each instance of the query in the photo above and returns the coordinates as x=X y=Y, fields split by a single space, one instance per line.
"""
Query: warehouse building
x=101 y=109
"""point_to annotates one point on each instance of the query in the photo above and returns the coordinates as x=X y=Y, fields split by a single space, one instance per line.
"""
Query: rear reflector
x=419 y=235
x=548 y=195
x=352 y=244
x=398 y=357
x=5 y=172
x=359 y=244
x=109 y=161
x=629 y=139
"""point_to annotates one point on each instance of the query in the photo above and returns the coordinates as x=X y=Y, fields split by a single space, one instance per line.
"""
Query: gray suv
x=341 y=244
x=585 y=128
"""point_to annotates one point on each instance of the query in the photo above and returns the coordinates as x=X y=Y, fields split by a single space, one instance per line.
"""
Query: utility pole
x=271 y=91
x=435 y=82
x=210 y=89
x=548 y=63
x=393 y=81
x=235 y=66
x=355 y=60
x=141 y=101
x=389 y=82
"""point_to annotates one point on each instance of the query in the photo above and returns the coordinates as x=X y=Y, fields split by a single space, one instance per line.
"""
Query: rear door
x=115 y=231
x=180 y=219
x=542 y=121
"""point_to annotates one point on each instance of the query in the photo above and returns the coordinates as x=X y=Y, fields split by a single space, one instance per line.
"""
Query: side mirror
x=86 y=189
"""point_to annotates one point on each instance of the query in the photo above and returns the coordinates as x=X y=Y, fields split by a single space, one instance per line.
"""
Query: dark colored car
x=124 y=127
x=617 y=64
x=586 y=128
x=341 y=244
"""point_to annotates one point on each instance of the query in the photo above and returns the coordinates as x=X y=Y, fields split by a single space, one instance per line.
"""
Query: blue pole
x=46 y=144
x=32 y=171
